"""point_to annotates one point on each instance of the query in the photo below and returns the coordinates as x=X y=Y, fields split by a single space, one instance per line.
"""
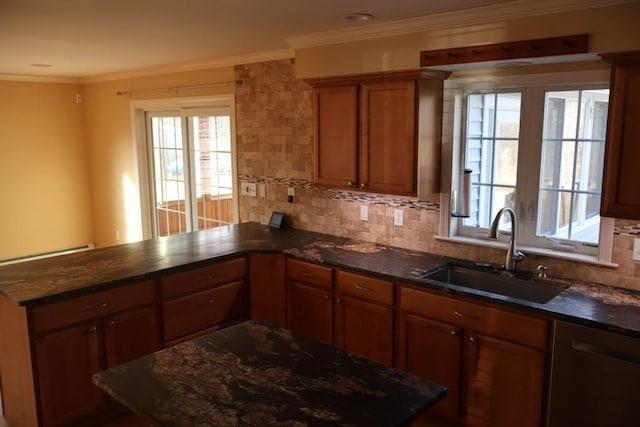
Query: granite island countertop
x=50 y=279
x=256 y=374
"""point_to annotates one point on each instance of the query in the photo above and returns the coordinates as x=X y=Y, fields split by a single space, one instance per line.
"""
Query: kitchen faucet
x=513 y=254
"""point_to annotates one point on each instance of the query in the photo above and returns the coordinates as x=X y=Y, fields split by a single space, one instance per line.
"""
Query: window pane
x=571 y=164
x=492 y=139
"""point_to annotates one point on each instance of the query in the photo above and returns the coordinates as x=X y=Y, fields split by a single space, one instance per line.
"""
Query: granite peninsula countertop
x=55 y=278
x=256 y=374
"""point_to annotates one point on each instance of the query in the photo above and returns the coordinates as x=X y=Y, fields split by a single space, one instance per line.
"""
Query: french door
x=191 y=167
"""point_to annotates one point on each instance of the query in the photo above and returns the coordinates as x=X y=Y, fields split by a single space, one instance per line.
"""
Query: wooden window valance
x=566 y=45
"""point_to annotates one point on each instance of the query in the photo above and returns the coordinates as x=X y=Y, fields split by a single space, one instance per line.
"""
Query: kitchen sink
x=498 y=282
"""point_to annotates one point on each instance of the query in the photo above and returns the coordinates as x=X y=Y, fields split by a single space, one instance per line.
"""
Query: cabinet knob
x=326 y=297
x=350 y=183
x=454 y=333
x=111 y=322
x=210 y=301
x=363 y=185
x=472 y=339
x=93 y=329
x=338 y=300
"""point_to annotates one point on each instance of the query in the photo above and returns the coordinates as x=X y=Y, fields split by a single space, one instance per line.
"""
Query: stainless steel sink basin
x=538 y=291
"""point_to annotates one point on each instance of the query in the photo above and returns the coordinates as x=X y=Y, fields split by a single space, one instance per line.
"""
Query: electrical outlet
x=248 y=189
x=291 y=192
x=364 y=213
x=398 y=218
x=636 y=250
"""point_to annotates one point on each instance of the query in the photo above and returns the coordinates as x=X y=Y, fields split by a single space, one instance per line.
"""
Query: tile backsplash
x=275 y=147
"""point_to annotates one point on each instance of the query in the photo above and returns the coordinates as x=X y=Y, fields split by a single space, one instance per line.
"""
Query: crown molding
x=39 y=79
x=230 y=61
x=474 y=16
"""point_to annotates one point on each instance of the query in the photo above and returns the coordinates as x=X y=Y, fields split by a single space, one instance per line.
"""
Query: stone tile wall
x=275 y=149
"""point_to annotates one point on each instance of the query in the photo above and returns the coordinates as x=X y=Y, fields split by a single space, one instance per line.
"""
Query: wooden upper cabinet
x=371 y=135
x=388 y=149
x=620 y=195
x=336 y=135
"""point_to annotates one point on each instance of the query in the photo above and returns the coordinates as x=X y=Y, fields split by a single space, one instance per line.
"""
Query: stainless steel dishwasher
x=595 y=378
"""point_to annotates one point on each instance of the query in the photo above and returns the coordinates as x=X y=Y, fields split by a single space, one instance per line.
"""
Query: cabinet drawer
x=309 y=273
x=507 y=325
x=51 y=316
x=204 y=309
x=364 y=287
x=199 y=279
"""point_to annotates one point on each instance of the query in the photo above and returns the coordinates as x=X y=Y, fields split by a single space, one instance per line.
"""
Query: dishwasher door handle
x=602 y=350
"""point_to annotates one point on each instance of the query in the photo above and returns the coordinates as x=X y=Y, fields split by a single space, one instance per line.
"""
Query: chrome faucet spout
x=513 y=254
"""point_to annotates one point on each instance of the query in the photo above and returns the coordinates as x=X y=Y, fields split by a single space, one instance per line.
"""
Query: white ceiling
x=82 y=38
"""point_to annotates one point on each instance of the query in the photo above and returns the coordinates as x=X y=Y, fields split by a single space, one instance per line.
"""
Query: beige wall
x=610 y=29
x=44 y=179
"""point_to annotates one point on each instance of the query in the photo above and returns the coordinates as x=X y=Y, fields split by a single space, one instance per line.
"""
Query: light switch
x=364 y=213
x=398 y=217
x=636 y=250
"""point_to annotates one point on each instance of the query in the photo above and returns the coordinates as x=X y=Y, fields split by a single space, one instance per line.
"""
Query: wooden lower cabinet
x=492 y=361
x=67 y=359
x=267 y=288
x=355 y=312
x=310 y=311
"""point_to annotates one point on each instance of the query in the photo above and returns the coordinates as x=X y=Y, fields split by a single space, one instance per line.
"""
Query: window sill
x=587 y=259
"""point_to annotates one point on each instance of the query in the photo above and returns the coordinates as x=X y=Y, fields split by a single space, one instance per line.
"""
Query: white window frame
x=181 y=106
x=534 y=87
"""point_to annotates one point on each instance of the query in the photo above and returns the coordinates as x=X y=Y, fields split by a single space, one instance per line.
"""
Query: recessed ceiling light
x=41 y=65
x=357 y=17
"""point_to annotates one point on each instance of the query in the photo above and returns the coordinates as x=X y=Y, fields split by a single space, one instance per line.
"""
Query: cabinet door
x=620 y=195
x=432 y=350
x=66 y=360
x=336 y=135
x=504 y=383
x=267 y=288
x=130 y=335
x=364 y=328
x=309 y=311
x=388 y=147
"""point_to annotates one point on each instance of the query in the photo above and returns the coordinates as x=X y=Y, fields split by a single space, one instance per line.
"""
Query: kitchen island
x=255 y=374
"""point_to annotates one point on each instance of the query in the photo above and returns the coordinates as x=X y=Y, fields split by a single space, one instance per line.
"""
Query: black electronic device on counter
x=278 y=220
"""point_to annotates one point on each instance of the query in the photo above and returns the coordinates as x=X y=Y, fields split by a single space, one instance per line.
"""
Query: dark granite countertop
x=256 y=374
x=48 y=279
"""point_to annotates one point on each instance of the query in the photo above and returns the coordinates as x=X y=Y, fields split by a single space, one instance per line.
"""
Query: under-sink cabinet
x=491 y=360
x=352 y=311
x=201 y=300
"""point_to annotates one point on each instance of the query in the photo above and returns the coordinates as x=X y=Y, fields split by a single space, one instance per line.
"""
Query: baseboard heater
x=31 y=257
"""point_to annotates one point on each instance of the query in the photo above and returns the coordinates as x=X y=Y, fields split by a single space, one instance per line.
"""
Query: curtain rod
x=176 y=88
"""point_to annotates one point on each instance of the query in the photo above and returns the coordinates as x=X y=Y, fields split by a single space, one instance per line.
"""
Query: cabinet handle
x=206 y=302
x=362 y=288
x=461 y=314
x=306 y=274
x=97 y=307
x=209 y=277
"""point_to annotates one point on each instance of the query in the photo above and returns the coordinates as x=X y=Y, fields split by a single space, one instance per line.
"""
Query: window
x=539 y=149
x=189 y=170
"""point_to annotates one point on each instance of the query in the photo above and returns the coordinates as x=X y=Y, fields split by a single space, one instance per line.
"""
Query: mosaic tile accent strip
x=626 y=228
x=344 y=195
